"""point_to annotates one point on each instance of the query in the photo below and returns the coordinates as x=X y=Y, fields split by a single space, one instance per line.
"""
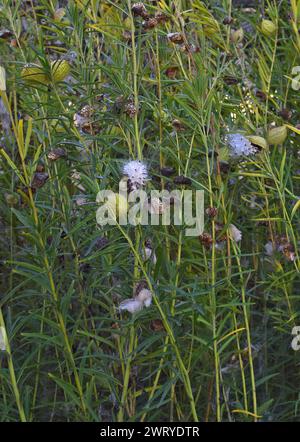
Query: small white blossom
x=132 y=305
x=136 y=172
x=145 y=296
x=240 y=146
x=235 y=233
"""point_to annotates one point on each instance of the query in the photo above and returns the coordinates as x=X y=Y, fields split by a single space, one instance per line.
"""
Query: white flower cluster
x=132 y=305
x=136 y=172
x=240 y=146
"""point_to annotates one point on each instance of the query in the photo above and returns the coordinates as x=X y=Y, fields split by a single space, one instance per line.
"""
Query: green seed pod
x=268 y=28
x=258 y=141
x=34 y=74
x=59 y=70
x=237 y=36
x=277 y=135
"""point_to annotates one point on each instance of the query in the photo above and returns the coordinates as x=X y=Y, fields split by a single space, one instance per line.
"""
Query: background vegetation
x=216 y=342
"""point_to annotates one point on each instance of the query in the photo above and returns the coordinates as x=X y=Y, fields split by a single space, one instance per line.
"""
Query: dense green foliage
x=163 y=85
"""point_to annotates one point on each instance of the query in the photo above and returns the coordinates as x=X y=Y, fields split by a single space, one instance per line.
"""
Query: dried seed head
x=229 y=80
x=177 y=124
x=211 y=212
x=285 y=113
x=190 y=48
x=39 y=179
x=176 y=37
x=228 y=21
x=224 y=167
x=40 y=168
x=260 y=94
x=55 y=154
x=167 y=171
x=182 y=180
x=127 y=36
x=139 y=10
x=101 y=242
x=171 y=71
x=206 y=240
x=161 y=17
x=83 y=120
x=157 y=325
x=130 y=110
x=148 y=243
x=5 y=33
x=150 y=23
x=142 y=284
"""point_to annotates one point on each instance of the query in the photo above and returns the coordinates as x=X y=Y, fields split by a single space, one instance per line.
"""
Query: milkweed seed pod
x=34 y=74
x=59 y=70
x=258 y=142
x=277 y=135
x=268 y=28
x=237 y=36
